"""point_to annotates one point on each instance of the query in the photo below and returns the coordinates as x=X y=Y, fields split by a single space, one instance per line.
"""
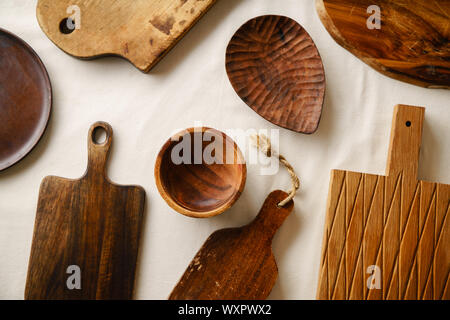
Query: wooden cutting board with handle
x=405 y=40
x=237 y=263
x=86 y=233
x=141 y=31
x=388 y=237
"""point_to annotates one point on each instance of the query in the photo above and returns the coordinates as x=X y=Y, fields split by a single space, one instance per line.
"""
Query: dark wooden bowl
x=275 y=67
x=197 y=187
x=25 y=99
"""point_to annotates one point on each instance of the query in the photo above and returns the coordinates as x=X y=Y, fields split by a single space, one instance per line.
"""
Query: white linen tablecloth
x=190 y=85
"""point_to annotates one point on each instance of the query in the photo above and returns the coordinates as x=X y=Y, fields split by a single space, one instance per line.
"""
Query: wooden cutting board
x=411 y=45
x=90 y=224
x=238 y=263
x=141 y=31
x=390 y=233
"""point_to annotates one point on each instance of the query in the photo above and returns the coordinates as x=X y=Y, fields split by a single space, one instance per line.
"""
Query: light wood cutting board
x=91 y=224
x=141 y=31
x=387 y=233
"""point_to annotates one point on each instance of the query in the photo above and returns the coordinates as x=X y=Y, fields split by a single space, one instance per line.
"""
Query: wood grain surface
x=237 y=263
x=90 y=223
x=394 y=222
x=25 y=99
x=198 y=188
x=412 y=44
x=141 y=31
x=275 y=67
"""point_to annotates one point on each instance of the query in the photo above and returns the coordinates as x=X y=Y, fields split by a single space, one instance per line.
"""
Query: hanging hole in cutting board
x=99 y=136
x=64 y=26
x=408 y=124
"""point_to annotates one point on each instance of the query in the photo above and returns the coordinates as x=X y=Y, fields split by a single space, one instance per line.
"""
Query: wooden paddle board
x=141 y=31
x=387 y=237
x=86 y=233
x=237 y=263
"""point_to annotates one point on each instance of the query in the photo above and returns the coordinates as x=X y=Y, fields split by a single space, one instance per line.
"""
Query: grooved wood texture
x=91 y=223
x=394 y=222
x=412 y=45
x=275 y=67
x=141 y=31
x=237 y=263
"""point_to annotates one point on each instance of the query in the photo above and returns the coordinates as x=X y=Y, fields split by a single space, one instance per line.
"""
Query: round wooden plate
x=25 y=99
x=275 y=67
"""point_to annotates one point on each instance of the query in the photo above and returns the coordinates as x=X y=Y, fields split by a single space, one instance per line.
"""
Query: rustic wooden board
x=394 y=222
x=141 y=31
x=90 y=223
x=237 y=263
x=412 y=45
x=275 y=68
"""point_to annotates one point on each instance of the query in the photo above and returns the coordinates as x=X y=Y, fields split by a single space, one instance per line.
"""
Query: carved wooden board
x=412 y=44
x=275 y=68
x=394 y=222
x=142 y=31
x=237 y=264
x=88 y=223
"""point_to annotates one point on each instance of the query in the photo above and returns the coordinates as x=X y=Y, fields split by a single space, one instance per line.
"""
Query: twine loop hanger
x=264 y=144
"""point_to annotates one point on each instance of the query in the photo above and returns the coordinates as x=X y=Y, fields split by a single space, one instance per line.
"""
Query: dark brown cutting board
x=90 y=223
x=411 y=45
x=237 y=263
x=387 y=237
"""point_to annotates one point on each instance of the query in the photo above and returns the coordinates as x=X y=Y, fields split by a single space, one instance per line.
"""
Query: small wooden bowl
x=199 y=186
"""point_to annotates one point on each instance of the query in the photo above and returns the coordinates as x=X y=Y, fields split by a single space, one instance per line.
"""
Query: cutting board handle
x=406 y=138
x=98 y=150
x=271 y=216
